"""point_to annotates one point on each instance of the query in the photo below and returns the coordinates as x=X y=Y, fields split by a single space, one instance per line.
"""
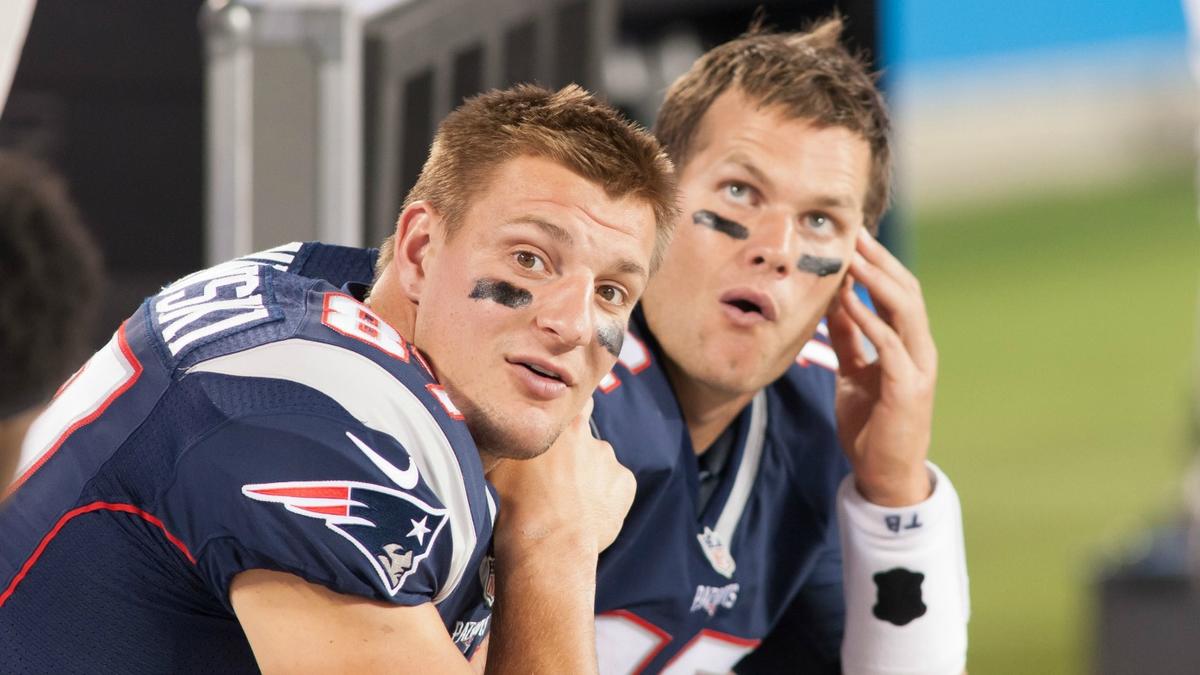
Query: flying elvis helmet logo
x=394 y=530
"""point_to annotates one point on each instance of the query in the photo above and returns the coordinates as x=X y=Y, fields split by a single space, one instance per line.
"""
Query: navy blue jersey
x=682 y=591
x=245 y=417
x=686 y=589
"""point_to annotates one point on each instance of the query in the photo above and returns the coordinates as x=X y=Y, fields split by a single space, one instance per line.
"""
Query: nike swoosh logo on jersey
x=406 y=479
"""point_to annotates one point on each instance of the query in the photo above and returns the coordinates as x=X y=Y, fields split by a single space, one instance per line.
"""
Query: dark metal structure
x=117 y=97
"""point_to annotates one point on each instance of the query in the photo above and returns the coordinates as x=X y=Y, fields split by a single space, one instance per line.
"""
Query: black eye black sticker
x=898 y=599
x=502 y=293
x=822 y=267
x=611 y=337
x=725 y=226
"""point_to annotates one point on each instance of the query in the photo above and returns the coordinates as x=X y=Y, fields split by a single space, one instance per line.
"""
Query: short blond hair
x=806 y=75
x=568 y=126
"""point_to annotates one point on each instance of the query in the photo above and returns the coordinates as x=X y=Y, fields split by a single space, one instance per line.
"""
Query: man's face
x=771 y=207
x=525 y=305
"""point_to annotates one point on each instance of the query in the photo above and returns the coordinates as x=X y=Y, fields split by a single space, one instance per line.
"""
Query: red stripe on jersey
x=714 y=635
x=71 y=515
x=335 y=492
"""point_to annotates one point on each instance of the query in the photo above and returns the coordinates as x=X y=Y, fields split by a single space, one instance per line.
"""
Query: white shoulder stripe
x=374 y=397
x=284 y=258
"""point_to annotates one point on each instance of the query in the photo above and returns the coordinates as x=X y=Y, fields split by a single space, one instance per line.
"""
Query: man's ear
x=418 y=233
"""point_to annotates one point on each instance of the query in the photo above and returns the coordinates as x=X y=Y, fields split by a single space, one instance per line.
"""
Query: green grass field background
x=1066 y=329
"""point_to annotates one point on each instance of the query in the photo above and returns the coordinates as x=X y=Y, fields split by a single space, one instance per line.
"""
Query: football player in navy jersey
x=731 y=397
x=263 y=470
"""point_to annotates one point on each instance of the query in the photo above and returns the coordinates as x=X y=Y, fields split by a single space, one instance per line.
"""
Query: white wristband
x=905 y=573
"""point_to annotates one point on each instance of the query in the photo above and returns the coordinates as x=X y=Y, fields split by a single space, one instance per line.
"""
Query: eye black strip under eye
x=725 y=226
x=502 y=293
x=819 y=266
x=612 y=338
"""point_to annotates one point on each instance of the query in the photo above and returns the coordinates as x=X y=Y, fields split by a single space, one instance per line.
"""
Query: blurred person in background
x=50 y=288
x=273 y=475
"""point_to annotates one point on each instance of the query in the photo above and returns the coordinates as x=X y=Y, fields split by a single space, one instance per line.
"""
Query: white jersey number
x=626 y=644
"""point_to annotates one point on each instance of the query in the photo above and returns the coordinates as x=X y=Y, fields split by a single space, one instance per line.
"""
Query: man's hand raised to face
x=884 y=407
x=576 y=490
x=557 y=512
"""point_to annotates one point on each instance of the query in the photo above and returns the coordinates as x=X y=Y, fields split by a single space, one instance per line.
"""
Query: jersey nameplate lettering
x=206 y=303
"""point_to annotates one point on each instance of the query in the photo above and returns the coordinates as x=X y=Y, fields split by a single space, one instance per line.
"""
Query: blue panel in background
x=925 y=32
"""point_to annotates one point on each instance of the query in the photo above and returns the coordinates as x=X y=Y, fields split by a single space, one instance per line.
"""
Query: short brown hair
x=808 y=75
x=568 y=126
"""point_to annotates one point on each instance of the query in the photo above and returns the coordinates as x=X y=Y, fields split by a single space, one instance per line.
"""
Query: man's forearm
x=907 y=595
x=543 y=620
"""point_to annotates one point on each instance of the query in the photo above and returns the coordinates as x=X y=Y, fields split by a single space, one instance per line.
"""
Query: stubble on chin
x=495 y=435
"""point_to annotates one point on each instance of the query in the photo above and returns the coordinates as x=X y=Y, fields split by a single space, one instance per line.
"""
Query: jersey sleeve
x=907 y=599
x=336 y=265
x=336 y=504
x=808 y=636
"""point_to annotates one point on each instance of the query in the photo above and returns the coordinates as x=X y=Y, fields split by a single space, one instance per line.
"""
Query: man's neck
x=392 y=306
x=386 y=300
x=706 y=410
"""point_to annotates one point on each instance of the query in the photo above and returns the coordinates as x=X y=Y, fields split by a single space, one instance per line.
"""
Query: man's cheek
x=821 y=266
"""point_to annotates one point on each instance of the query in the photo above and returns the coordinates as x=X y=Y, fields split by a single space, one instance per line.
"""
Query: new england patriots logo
x=393 y=529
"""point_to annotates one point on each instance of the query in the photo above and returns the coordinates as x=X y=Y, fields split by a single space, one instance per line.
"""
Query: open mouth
x=746 y=306
x=750 y=304
x=541 y=379
x=541 y=371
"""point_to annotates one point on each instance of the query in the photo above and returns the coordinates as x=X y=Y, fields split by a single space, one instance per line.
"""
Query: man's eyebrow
x=743 y=160
x=627 y=266
x=836 y=201
x=624 y=266
x=554 y=231
x=824 y=201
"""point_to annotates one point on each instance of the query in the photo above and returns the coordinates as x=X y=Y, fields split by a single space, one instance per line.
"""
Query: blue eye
x=819 y=221
x=740 y=192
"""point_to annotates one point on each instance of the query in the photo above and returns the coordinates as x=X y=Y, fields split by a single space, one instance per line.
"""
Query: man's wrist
x=537 y=538
x=896 y=491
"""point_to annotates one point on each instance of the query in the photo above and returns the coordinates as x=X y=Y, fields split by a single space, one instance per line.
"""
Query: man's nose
x=772 y=243
x=564 y=312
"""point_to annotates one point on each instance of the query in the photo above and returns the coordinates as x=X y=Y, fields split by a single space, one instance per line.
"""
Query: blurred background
x=1045 y=198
